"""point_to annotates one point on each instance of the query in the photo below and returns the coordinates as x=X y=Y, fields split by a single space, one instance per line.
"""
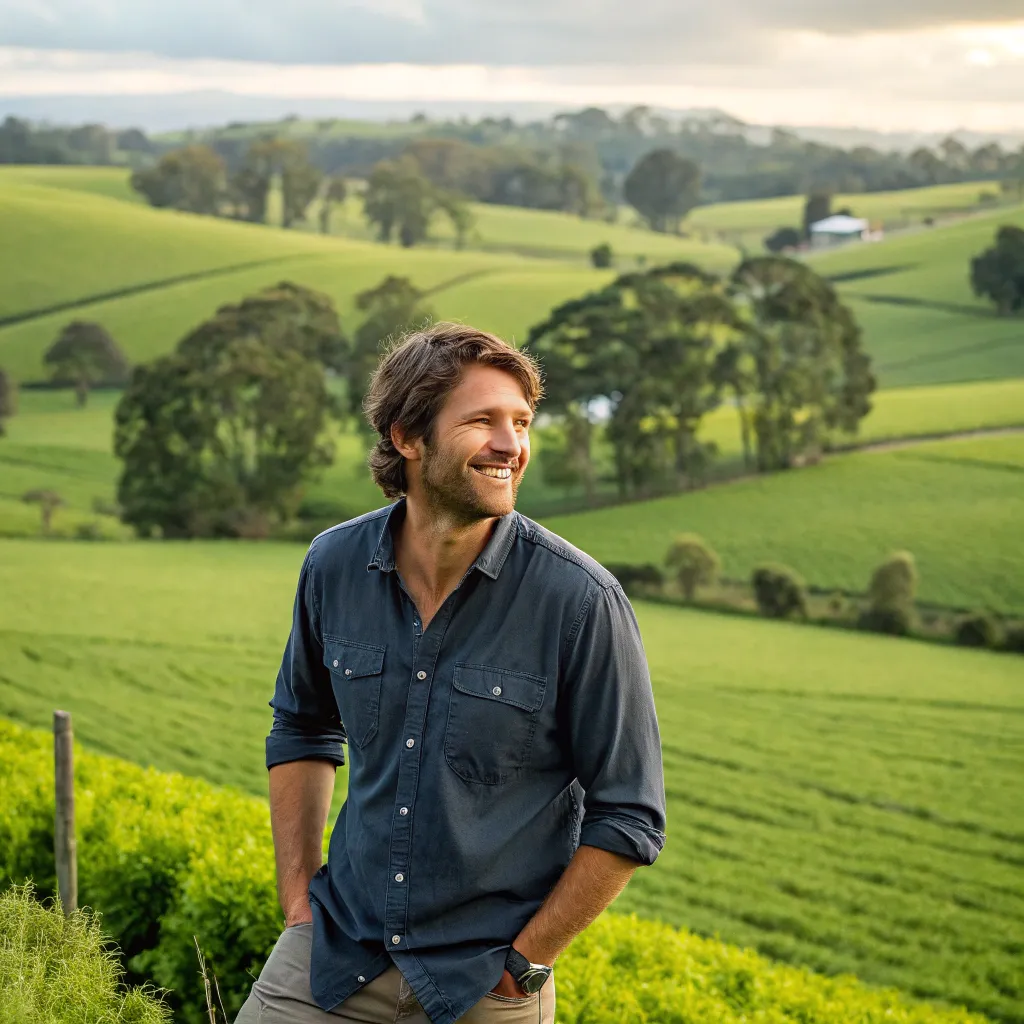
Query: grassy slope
x=836 y=799
x=835 y=522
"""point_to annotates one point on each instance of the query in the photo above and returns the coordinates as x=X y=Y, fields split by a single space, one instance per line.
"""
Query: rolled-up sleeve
x=615 y=741
x=307 y=725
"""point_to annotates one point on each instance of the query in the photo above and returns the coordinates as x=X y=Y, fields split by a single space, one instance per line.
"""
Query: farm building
x=838 y=228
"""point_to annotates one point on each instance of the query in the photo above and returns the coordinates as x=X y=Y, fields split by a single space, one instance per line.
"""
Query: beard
x=451 y=488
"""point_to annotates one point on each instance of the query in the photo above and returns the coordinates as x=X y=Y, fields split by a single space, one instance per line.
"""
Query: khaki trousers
x=282 y=995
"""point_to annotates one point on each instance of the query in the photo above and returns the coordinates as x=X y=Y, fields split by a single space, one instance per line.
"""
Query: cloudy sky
x=889 y=64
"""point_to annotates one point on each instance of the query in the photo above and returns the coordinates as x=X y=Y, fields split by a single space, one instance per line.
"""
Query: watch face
x=533 y=981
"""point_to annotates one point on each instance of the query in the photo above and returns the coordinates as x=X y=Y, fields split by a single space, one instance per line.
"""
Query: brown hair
x=414 y=380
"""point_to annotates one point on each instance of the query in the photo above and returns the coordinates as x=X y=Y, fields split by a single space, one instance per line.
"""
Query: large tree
x=192 y=178
x=218 y=437
x=663 y=187
x=399 y=199
x=333 y=190
x=797 y=365
x=84 y=355
x=285 y=161
x=998 y=273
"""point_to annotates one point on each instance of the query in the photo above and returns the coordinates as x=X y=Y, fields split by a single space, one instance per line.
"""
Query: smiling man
x=505 y=774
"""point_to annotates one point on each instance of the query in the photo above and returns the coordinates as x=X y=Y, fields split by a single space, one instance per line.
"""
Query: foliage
x=998 y=273
x=268 y=160
x=400 y=200
x=334 y=190
x=1014 y=640
x=891 y=595
x=217 y=438
x=895 y=621
x=780 y=592
x=799 y=367
x=783 y=238
x=57 y=970
x=188 y=859
x=817 y=206
x=601 y=256
x=635 y=579
x=192 y=178
x=694 y=561
x=663 y=187
x=391 y=308
x=979 y=629
x=8 y=399
x=48 y=501
x=84 y=355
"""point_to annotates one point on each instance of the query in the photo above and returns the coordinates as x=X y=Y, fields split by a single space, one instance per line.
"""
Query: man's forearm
x=300 y=800
x=588 y=885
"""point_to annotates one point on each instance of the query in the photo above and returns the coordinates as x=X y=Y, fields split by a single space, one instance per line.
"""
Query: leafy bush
x=979 y=630
x=633 y=578
x=891 y=594
x=779 y=591
x=61 y=971
x=165 y=858
x=601 y=256
x=891 y=621
x=782 y=239
x=694 y=561
x=1014 y=640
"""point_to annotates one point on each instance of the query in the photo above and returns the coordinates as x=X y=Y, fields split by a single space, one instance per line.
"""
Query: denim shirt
x=482 y=751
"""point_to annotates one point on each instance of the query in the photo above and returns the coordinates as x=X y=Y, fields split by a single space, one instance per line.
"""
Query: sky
x=922 y=65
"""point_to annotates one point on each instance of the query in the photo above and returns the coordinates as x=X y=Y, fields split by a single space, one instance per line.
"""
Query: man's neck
x=433 y=552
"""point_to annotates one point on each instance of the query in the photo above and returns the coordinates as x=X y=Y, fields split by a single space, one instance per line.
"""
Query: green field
x=959 y=515
x=846 y=801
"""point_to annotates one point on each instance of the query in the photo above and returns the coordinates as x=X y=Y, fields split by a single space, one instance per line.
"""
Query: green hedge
x=165 y=858
x=57 y=970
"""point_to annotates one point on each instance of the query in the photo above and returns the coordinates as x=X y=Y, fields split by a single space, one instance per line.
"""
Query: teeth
x=498 y=474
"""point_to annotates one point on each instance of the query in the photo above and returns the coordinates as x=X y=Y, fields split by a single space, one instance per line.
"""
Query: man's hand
x=508 y=987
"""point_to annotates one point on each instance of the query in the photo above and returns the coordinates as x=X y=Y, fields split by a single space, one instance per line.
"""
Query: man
x=505 y=774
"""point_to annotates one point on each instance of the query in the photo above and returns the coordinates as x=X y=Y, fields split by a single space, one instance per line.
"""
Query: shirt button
x=348 y=671
x=396 y=939
x=496 y=691
x=410 y=743
x=403 y=811
x=360 y=979
x=421 y=674
x=399 y=877
x=335 y=662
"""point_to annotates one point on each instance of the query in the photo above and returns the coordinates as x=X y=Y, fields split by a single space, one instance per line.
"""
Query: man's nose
x=505 y=439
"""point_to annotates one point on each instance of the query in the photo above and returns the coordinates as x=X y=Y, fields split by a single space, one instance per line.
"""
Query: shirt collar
x=489 y=561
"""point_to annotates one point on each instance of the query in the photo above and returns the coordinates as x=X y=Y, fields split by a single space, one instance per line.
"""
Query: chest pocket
x=356 y=671
x=492 y=716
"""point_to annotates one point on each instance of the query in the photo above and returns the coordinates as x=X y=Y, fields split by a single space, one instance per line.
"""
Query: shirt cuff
x=627 y=837
x=283 y=748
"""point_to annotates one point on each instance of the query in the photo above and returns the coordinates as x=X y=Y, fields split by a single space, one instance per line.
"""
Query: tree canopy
x=998 y=273
x=8 y=399
x=663 y=187
x=84 y=355
x=192 y=178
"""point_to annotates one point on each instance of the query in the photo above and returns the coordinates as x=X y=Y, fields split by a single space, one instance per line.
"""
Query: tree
x=783 y=238
x=218 y=437
x=601 y=256
x=192 y=178
x=457 y=210
x=694 y=561
x=266 y=161
x=334 y=191
x=565 y=453
x=891 y=595
x=800 y=369
x=300 y=182
x=998 y=273
x=84 y=355
x=817 y=206
x=398 y=198
x=48 y=502
x=779 y=591
x=663 y=187
x=8 y=399
x=390 y=309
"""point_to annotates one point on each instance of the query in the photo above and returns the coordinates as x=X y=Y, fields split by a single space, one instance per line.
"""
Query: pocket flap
x=520 y=689
x=351 y=659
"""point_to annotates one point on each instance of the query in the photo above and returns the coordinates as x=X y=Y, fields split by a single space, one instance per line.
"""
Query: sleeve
x=615 y=743
x=307 y=725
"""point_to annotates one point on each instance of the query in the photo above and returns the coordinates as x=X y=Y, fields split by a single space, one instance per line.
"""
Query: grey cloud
x=495 y=32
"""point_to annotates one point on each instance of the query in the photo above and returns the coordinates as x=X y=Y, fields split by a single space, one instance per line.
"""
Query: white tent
x=838 y=227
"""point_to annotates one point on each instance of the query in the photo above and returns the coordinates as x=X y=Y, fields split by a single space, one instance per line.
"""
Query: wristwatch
x=529 y=977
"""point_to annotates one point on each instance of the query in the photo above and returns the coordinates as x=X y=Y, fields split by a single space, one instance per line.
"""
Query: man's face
x=479 y=447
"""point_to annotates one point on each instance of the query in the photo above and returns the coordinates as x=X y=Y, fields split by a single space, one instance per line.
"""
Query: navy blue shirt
x=482 y=751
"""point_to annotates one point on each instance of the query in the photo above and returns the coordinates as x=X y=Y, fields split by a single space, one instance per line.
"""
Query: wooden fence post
x=64 y=845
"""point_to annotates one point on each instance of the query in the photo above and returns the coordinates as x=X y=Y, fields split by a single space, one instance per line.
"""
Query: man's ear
x=408 y=448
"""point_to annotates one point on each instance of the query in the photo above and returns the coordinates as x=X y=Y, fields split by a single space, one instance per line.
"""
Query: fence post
x=64 y=845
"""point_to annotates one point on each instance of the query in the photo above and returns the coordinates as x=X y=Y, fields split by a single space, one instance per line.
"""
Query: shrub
x=891 y=621
x=694 y=561
x=633 y=578
x=61 y=971
x=89 y=530
x=779 y=591
x=1014 y=640
x=782 y=239
x=891 y=594
x=979 y=629
x=601 y=256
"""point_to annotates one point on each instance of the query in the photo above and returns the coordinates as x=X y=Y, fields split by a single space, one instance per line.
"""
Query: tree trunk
x=81 y=392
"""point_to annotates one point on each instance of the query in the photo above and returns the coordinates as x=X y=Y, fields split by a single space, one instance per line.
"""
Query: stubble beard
x=449 y=489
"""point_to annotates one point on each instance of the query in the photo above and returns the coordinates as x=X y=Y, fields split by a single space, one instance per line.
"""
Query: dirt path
x=909 y=442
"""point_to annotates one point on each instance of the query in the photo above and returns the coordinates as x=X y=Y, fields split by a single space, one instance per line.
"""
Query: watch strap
x=516 y=964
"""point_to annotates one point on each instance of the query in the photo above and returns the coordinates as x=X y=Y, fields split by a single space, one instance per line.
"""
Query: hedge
x=57 y=970
x=165 y=858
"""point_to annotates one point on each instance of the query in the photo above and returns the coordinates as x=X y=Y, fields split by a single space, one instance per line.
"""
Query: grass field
x=960 y=516
x=841 y=800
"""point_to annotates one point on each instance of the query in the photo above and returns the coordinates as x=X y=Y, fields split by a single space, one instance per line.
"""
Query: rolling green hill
x=842 y=800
